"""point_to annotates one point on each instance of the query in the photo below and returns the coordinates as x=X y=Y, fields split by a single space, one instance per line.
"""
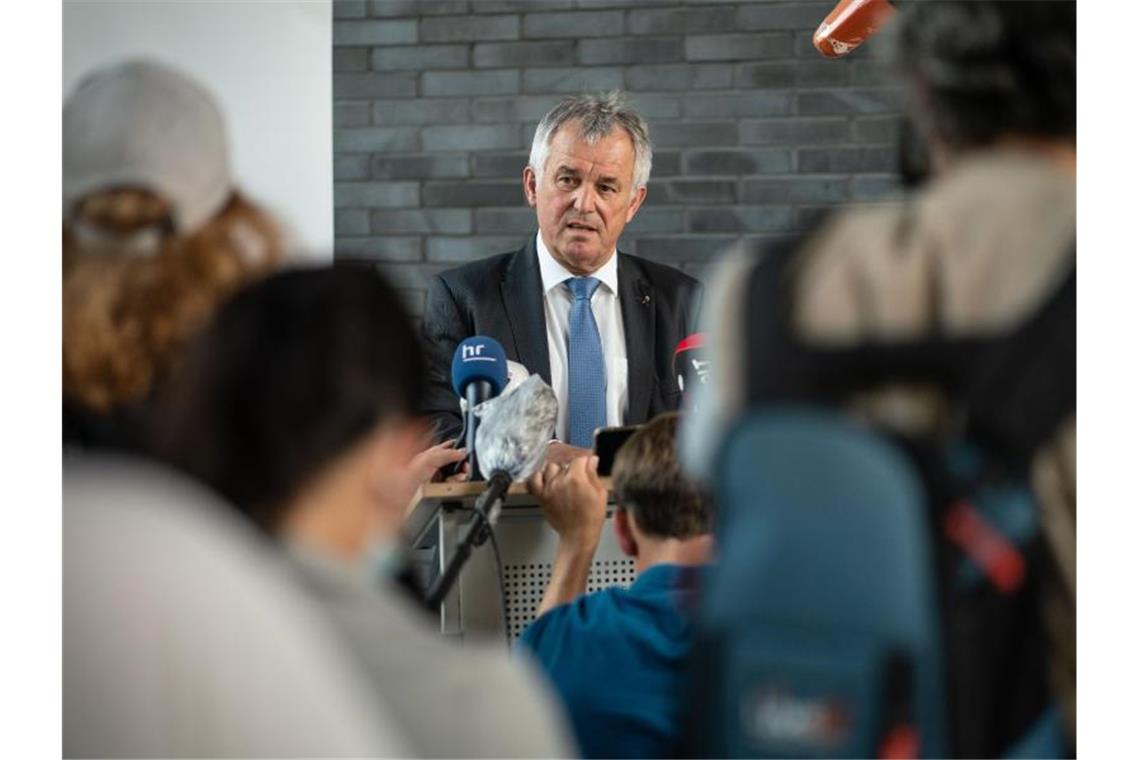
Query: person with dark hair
x=988 y=75
x=297 y=407
x=616 y=655
x=949 y=315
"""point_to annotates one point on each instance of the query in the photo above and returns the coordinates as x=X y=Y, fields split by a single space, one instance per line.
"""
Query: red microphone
x=690 y=365
x=849 y=24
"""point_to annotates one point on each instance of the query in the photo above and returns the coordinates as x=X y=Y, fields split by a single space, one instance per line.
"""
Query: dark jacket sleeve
x=443 y=328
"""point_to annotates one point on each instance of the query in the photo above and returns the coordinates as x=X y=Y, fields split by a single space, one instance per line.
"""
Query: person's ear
x=530 y=187
x=638 y=199
x=623 y=531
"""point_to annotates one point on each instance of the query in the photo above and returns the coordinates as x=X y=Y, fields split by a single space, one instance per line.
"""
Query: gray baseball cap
x=142 y=124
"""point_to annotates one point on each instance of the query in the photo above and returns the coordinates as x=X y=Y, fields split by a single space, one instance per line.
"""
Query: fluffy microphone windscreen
x=514 y=429
x=849 y=24
x=478 y=358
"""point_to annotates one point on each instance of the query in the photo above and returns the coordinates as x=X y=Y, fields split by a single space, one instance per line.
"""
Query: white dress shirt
x=607 y=312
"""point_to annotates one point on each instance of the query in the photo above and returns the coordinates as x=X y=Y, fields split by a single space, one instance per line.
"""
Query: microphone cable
x=502 y=588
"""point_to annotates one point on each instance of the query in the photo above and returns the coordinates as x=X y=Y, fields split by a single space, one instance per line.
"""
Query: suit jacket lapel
x=521 y=291
x=637 y=315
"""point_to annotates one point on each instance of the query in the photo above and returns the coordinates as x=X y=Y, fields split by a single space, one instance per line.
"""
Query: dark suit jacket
x=501 y=297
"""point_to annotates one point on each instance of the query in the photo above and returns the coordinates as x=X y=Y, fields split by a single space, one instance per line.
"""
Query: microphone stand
x=478 y=391
x=487 y=508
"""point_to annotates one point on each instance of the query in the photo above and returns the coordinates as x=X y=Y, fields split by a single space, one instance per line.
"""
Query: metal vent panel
x=524 y=585
x=528 y=546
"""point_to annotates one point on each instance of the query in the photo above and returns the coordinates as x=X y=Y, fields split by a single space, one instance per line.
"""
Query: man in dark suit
x=598 y=325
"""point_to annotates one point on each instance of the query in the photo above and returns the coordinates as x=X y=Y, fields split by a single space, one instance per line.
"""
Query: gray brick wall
x=755 y=135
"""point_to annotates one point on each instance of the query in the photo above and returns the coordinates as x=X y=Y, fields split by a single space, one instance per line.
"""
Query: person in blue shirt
x=617 y=656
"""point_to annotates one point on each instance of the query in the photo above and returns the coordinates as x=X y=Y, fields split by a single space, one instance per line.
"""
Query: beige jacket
x=974 y=254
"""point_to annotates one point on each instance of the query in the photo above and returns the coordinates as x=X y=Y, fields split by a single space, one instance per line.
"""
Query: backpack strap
x=1014 y=388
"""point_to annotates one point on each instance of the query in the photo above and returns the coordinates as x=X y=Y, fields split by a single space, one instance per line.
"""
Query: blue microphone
x=479 y=358
x=478 y=373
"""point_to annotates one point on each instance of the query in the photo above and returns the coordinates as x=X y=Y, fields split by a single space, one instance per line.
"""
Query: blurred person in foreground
x=617 y=655
x=297 y=407
x=952 y=312
x=155 y=235
x=183 y=637
x=155 y=238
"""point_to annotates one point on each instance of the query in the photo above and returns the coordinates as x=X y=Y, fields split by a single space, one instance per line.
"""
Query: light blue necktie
x=587 y=371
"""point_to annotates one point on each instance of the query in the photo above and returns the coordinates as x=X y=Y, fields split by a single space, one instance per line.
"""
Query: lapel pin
x=644 y=300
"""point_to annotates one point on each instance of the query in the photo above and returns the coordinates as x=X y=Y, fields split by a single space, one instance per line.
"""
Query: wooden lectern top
x=432 y=496
x=467 y=492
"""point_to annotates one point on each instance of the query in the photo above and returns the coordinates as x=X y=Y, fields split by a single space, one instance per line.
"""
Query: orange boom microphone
x=849 y=24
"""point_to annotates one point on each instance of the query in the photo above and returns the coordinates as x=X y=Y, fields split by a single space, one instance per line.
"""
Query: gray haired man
x=600 y=326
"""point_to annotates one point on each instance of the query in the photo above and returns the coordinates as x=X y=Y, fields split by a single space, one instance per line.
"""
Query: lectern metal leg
x=450 y=620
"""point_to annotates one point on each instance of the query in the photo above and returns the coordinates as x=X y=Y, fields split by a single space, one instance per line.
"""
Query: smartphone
x=607 y=441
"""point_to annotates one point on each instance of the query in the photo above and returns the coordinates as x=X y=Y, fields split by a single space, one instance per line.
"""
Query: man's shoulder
x=662 y=275
x=479 y=273
x=593 y=611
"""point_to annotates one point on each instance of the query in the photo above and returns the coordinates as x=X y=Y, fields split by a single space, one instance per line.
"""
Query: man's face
x=585 y=198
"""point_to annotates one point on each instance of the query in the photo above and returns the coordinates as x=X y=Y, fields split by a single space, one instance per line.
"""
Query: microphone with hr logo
x=478 y=373
x=691 y=366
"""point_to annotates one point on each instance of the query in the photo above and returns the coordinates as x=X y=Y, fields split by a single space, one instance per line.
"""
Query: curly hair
x=979 y=70
x=127 y=317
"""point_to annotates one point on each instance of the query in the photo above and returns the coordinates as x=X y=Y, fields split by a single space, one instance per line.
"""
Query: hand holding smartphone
x=607 y=441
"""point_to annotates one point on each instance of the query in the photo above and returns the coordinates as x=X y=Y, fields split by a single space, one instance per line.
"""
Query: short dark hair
x=292 y=373
x=647 y=481
x=978 y=70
